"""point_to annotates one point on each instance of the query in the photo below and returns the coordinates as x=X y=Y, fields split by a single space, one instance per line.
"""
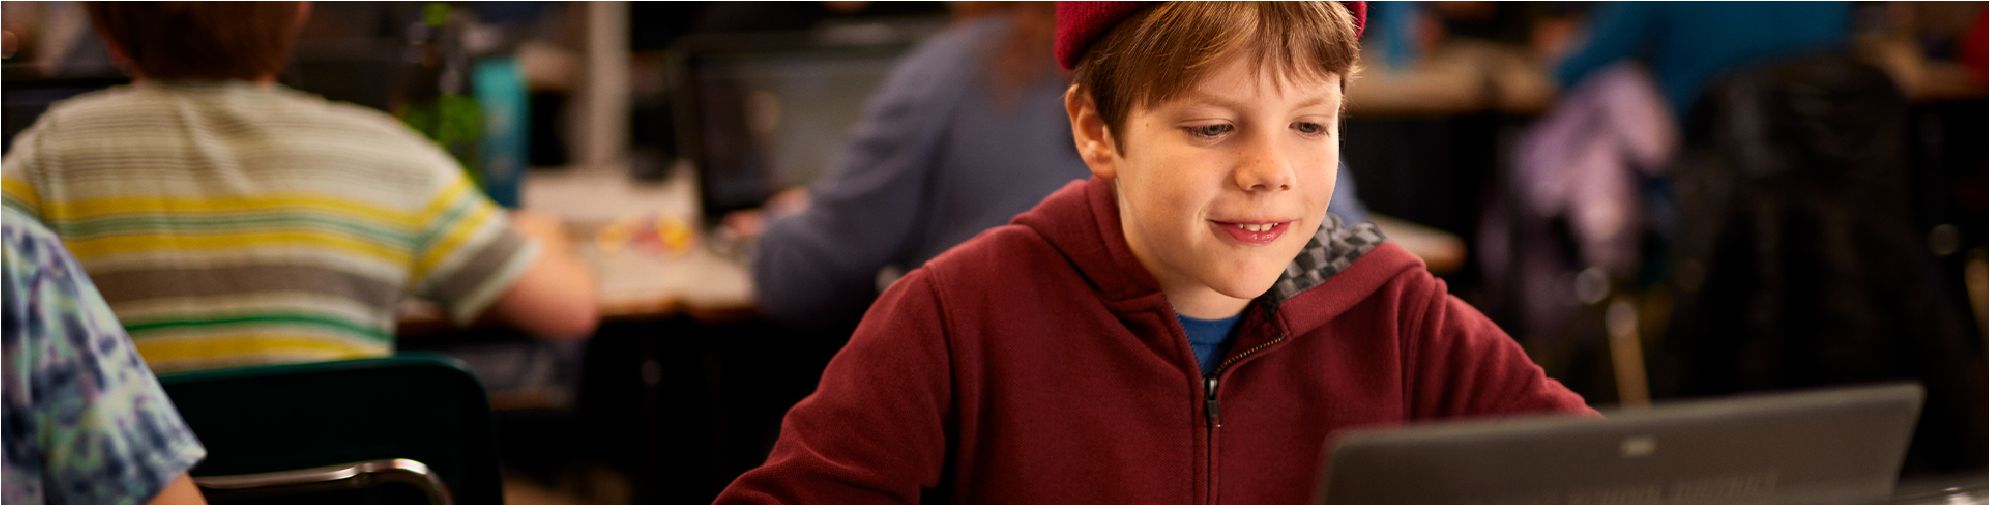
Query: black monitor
x=357 y=70
x=28 y=95
x=759 y=113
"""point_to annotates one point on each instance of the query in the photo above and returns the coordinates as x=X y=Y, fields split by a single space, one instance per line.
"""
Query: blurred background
x=1654 y=203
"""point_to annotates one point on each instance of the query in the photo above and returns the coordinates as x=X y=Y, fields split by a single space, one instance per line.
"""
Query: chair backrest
x=368 y=413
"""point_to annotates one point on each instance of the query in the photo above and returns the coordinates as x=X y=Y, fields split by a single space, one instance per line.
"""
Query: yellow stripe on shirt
x=449 y=244
x=259 y=239
x=94 y=208
x=20 y=191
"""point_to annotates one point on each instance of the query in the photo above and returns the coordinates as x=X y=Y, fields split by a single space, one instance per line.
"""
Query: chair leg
x=1627 y=353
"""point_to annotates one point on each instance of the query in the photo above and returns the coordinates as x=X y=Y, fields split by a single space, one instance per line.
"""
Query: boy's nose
x=1266 y=168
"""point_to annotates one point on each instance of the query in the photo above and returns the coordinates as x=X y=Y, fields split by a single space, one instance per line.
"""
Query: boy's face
x=1220 y=188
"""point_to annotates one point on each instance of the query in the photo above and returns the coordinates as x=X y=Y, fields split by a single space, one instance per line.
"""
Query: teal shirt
x=84 y=420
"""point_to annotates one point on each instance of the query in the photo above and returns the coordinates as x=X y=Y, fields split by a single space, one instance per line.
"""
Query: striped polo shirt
x=231 y=223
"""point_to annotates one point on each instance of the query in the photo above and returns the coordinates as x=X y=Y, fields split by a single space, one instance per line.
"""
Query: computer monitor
x=362 y=71
x=1826 y=447
x=760 y=113
x=28 y=96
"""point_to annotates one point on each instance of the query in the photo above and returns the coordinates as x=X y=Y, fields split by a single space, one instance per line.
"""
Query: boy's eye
x=1208 y=130
x=1309 y=128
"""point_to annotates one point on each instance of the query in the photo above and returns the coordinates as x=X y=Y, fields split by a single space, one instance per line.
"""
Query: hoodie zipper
x=1209 y=382
x=1215 y=416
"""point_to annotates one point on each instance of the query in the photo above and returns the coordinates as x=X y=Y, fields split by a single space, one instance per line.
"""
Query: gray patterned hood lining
x=1332 y=249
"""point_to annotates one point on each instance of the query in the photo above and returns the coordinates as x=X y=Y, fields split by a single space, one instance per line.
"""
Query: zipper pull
x=1209 y=402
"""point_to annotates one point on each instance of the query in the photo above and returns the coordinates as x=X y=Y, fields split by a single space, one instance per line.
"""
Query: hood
x=1082 y=222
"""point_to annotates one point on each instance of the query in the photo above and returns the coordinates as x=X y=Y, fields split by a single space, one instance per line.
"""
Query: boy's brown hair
x=200 y=40
x=1162 y=51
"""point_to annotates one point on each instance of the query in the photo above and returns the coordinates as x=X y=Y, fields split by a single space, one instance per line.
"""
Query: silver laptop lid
x=1838 y=446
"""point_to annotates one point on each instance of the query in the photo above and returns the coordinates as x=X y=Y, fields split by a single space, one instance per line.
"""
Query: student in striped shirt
x=232 y=221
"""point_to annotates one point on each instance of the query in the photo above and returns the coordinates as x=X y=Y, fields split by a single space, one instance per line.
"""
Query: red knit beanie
x=1080 y=23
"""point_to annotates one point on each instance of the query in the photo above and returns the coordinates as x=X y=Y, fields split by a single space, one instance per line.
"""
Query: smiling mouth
x=1255 y=233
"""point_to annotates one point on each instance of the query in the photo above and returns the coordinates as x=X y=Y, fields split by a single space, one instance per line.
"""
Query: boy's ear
x=1089 y=131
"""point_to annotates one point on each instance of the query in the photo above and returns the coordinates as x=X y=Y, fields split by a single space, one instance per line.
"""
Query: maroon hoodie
x=1040 y=363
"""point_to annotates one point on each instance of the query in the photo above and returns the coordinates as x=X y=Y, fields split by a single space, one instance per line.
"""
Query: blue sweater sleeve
x=820 y=265
x=1346 y=202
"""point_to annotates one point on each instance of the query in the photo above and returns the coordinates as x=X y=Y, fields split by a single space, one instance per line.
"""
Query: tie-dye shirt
x=84 y=419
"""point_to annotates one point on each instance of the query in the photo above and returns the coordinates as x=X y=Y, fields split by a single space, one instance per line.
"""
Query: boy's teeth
x=1254 y=227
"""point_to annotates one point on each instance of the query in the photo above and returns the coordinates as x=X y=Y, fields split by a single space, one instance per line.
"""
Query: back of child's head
x=200 y=40
x=1126 y=55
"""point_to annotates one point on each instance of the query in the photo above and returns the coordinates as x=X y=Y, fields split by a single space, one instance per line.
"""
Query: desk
x=1461 y=76
x=633 y=283
x=1442 y=252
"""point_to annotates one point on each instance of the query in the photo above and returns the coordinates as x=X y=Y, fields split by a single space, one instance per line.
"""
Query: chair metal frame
x=327 y=478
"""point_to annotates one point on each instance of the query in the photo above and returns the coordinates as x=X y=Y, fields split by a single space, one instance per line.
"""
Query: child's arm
x=555 y=297
x=181 y=491
x=1458 y=363
x=876 y=429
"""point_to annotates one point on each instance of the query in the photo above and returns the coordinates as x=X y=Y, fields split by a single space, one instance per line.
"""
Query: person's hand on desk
x=752 y=222
x=555 y=298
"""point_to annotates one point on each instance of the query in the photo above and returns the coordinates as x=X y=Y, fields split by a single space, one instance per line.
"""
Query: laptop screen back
x=1841 y=446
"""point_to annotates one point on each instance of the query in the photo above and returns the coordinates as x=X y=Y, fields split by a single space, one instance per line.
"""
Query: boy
x=230 y=221
x=1186 y=327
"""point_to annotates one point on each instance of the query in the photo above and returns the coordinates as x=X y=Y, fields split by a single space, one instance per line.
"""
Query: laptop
x=1825 y=447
